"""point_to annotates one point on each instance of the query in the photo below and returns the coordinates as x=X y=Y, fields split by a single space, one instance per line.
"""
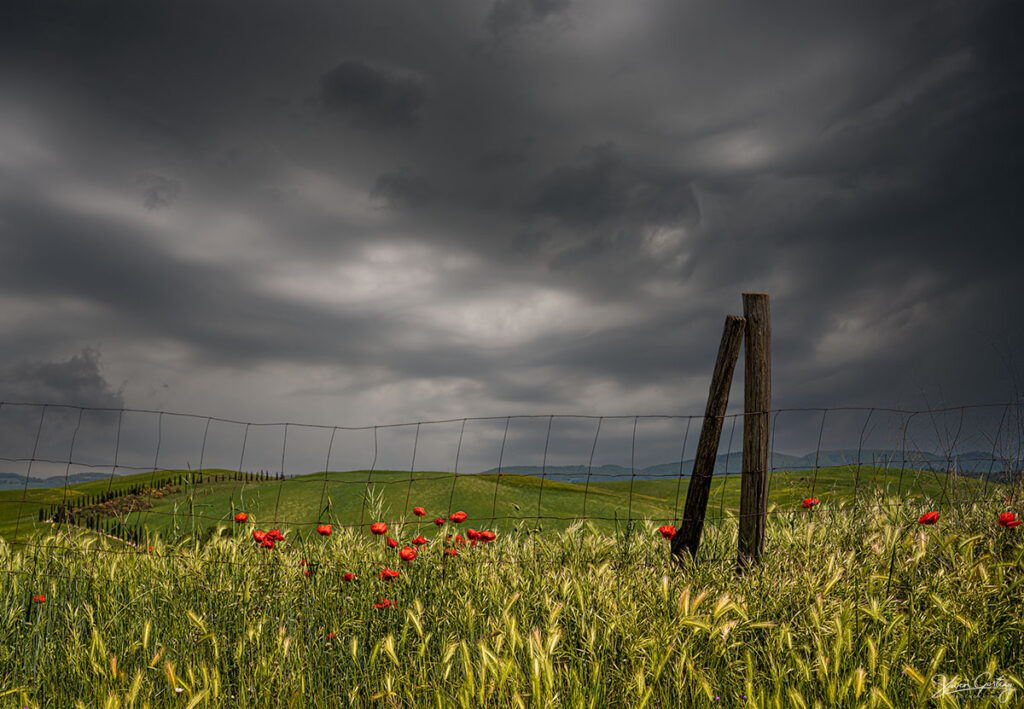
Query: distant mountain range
x=978 y=464
x=12 y=481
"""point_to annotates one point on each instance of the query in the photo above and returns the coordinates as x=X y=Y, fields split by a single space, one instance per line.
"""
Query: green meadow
x=854 y=603
x=503 y=501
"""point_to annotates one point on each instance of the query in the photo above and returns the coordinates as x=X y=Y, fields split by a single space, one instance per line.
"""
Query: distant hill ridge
x=971 y=463
x=978 y=464
x=10 y=481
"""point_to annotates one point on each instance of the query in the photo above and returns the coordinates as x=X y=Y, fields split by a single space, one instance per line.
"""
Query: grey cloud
x=371 y=97
x=508 y=15
x=76 y=381
x=159 y=191
x=607 y=187
x=46 y=432
x=499 y=159
x=403 y=189
x=886 y=192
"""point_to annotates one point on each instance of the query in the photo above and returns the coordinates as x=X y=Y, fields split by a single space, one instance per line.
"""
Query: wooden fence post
x=757 y=399
x=688 y=535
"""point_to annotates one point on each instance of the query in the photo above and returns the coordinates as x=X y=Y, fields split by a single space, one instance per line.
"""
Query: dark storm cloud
x=373 y=98
x=606 y=188
x=159 y=191
x=77 y=381
x=591 y=199
x=46 y=432
x=508 y=15
x=402 y=189
x=146 y=292
x=501 y=158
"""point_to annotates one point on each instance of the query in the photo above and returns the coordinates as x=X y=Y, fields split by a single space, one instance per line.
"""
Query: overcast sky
x=362 y=213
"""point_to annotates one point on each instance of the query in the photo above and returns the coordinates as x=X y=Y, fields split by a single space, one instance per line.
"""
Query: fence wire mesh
x=127 y=474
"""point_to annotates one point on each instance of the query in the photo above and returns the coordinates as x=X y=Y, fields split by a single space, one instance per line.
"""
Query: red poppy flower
x=308 y=572
x=324 y=529
x=349 y=576
x=151 y=549
x=276 y=535
x=929 y=518
x=418 y=511
x=330 y=636
x=451 y=550
x=407 y=553
x=1006 y=519
x=439 y=521
x=419 y=541
x=487 y=535
x=667 y=531
x=809 y=502
x=383 y=603
x=378 y=528
x=241 y=517
x=392 y=543
x=460 y=540
x=458 y=517
x=267 y=542
x=258 y=535
x=472 y=533
x=388 y=574
x=39 y=598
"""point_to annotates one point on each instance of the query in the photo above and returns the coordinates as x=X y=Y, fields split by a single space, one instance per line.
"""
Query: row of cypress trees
x=63 y=513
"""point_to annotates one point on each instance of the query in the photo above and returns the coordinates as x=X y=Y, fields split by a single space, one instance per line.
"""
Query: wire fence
x=295 y=487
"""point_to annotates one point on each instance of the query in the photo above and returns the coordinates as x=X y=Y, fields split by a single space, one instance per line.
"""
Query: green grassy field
x=853 y=605
x=504 y=502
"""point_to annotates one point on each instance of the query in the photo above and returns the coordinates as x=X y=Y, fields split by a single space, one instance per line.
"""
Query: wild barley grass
x=579 y=619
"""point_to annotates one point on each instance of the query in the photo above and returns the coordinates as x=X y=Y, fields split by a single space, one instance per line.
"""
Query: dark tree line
x=76 y=510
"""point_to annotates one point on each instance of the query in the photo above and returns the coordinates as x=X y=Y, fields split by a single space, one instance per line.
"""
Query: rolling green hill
x=503 y=502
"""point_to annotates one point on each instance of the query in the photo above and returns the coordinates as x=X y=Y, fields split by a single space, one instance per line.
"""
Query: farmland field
x=855 y=603
x=503 y=500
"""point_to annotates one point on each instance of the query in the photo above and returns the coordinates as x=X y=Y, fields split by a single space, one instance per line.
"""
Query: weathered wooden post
x=757 y=397
x=687 y=537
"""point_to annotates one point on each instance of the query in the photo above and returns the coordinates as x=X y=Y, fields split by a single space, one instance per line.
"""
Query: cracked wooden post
x=687 y=537
x=757 y=398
